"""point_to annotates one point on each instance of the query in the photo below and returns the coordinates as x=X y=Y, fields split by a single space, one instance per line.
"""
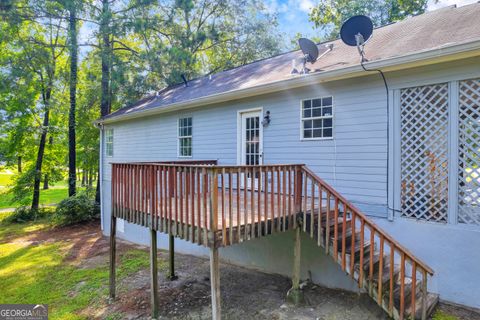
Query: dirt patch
x=75 y=233
x=85 y=244
x=246 y=294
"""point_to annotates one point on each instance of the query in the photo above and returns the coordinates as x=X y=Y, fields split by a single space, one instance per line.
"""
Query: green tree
x=36 y=52
x=201 y=37
x=51 y=91
x=329 y=15
x=72 y=7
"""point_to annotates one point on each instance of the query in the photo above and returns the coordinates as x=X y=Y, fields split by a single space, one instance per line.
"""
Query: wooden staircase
x=393 y=277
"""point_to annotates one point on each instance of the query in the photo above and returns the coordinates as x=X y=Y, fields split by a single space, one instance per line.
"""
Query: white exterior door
x=251 y=135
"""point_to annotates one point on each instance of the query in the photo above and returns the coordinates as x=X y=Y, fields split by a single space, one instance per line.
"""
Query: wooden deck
x=217 y=206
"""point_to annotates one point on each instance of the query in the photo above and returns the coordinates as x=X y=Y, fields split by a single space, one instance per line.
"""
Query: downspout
x=102 y=211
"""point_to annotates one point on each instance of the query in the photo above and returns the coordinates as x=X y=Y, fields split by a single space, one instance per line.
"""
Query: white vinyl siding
x=317 y=118
x=109 y=142
x=185 y=137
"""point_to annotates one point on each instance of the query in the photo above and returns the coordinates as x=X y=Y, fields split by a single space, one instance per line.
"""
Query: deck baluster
x=362 y=242
x=344 y=238
x=380 y=272
x=392 y=263
x=402 y=286
x=414 y=287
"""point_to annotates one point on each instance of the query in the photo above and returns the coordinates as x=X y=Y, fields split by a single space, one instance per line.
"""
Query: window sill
x=316 y=139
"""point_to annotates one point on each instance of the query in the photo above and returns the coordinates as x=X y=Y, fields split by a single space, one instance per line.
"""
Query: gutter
x=441 y=54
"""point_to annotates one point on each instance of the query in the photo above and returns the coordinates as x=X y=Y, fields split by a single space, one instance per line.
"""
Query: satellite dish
x=356 y=31
x=309 y=49
x=310 y=54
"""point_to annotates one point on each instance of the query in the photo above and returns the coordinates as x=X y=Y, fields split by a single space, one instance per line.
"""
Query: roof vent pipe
x=184 y=80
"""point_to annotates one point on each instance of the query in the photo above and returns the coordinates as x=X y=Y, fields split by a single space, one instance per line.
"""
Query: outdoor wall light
x=266 y=119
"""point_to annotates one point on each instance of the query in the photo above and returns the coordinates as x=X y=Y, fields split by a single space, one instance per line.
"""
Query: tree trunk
x=90 y=178
x=19 y=164
x=73 y=90
x=41 y=152
x=106 y=55
x=84 y=178
x=45 y=182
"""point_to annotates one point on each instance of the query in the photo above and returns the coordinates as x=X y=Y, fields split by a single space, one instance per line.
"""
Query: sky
x=292 y=18
x=293 y=14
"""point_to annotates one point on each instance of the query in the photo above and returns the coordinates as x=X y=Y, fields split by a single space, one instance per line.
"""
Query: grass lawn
x=5 y=179
x=50 y=196
x=42 y=271
x=54 y=195
x=439 y=315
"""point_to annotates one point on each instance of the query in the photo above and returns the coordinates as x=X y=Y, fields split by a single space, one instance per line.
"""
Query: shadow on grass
x=52 y=267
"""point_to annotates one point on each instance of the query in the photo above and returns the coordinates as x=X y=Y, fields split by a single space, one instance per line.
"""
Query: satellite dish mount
x=356 y=31
x=361 y=46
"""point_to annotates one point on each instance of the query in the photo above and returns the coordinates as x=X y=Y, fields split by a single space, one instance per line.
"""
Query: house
x=393 y=180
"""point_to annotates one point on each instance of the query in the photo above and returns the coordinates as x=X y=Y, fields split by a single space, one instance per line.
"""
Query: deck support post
x=215 y=283
x=171 y=247
x=295 y=294
x=113 y=249
x=153 y=274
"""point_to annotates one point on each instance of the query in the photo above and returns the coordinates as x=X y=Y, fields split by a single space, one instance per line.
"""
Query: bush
x=78 y=208
x=24 y=214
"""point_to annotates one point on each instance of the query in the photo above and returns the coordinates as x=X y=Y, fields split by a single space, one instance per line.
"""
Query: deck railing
x=195 y=200
x=218 y=206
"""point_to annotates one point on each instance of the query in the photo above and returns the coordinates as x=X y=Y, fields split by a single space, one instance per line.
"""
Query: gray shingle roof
x=437 y=29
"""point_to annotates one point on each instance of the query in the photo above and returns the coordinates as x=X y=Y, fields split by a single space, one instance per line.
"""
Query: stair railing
x=330 y=208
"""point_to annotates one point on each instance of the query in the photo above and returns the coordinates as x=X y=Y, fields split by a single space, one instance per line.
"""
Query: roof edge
x=442 y=54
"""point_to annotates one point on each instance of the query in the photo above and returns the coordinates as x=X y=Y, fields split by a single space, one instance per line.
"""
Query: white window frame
x=179 y=137
x=302 y=119
x=108 y=134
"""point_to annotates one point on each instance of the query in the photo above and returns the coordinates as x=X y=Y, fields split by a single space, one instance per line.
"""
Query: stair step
x=366 y=249
x=407 y=291
x=366 y=252
x=331 y=219
x=432 y=301
x=385 y=273
x=348 y=237
x=366 y=262
x=348 y=225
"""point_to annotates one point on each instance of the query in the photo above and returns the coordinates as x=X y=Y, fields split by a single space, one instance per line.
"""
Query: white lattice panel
x=424 y=152
x=469 y=152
